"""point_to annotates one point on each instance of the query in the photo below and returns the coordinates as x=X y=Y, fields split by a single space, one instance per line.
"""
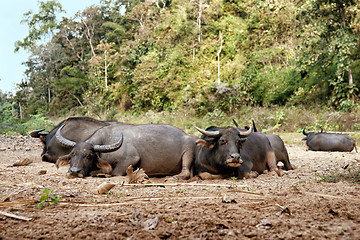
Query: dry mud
x=295 y=206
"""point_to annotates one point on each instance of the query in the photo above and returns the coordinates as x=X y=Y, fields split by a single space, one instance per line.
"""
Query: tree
x=92 y=20
x=106 y=57
x=40 y=24
x=44 y=66
x=330 y=38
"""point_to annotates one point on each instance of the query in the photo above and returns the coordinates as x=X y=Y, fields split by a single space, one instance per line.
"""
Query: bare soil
x=295 y=206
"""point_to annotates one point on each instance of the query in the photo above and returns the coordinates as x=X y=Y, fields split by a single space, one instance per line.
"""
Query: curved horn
x=253 y=122
x=37 y=134
x=110 y=147
x=305 y=133
x=208 y=133
x=236 y=124
x=65 y=142
x=246 y=133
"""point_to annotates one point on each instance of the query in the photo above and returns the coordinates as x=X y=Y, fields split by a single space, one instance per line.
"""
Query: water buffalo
x=226 y=152
x=160 y=150
x=75 y=129
x=329 y=142
x=277 y=145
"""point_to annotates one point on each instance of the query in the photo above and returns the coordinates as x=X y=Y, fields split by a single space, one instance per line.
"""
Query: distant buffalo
x=329 y=142
x=278 y=146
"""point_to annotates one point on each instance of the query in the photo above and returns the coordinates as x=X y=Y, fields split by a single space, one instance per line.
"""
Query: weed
x=108 y=193
x=47 y=199
x=351 y=173
x=119 y=194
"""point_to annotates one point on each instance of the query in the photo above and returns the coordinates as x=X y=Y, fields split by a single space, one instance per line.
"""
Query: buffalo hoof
x=253 y=174
x=178 y=177
x=280 y=172
x=208 y=176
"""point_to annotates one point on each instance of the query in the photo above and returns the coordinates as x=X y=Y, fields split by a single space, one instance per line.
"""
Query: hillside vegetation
x=207 y=58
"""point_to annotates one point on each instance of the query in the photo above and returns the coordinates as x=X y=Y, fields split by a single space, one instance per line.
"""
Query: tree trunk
x=351 y=83
x=218 y=57
x=21 y=112
x=106 y=68
x=49 y=94
x=199 y=19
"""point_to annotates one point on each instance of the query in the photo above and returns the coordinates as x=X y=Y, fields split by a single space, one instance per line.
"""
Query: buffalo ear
x=63 y=160
x=42 y=139
x=104 y=166
x=204 y=143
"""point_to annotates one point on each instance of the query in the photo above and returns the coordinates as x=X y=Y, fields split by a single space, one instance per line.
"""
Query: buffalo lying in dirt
x=226 y=152
x=160 y=150
x=329 y=142
x=75 y=129
x=278 y=146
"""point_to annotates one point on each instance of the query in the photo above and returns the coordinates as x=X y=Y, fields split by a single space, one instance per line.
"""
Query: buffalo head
x=225 y=144
x=85 y=156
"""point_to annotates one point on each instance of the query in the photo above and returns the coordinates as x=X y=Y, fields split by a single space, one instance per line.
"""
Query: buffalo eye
x=223 y=141
x=241 y=141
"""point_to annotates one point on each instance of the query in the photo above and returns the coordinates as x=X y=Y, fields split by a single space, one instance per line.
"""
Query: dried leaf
x=22 y=162
x=228 y=200
x=332 y=212
x=150 y=224
x=284 y=210
x=105 y=187
x=264 y=224
x=137 y=176
x=42 y=172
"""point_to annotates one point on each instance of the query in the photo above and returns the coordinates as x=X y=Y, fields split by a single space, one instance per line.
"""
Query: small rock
x=42 y=172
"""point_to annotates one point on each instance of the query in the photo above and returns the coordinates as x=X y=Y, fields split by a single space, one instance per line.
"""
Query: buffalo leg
x=120 y=169
x=287 y=164
x=186 y=163
x=244 y=171
x=209 y=176
x=272 y=164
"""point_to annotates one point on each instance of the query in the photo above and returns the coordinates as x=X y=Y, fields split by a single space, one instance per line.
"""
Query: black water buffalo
x=160 y=150
x=277 y=145
x=329 y=142
x=226 y=152
x=75 y=129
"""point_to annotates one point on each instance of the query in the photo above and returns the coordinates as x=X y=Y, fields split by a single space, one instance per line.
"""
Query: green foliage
x=48 y=199
x=350 y=173
x=330 y=43
x=40 y=24
x=162 y=56
x=8 y=117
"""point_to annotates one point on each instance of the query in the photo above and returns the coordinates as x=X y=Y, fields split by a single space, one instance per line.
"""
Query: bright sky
x=11 y=13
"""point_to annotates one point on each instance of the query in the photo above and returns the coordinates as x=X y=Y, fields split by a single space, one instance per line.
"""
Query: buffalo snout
x=234 y=160
x=75 y=172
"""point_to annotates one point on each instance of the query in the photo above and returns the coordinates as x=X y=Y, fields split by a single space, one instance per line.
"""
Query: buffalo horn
x=208 y=133
x=110 y=147
x=62 y=140
x=37 y=134
x=236 y=124
x=305 y=133
x=246 y=133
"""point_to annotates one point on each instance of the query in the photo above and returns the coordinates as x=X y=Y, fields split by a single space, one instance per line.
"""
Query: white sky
x=11 y=14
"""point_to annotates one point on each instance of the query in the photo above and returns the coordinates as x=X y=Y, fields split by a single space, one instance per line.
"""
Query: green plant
x=48 y=199
x=350 y=173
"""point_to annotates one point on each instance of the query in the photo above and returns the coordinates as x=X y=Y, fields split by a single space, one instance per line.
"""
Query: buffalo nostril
x=74 y=170
x=235 y=156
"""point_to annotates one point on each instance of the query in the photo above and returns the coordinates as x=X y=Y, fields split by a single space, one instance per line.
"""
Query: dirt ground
x=295 y=206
